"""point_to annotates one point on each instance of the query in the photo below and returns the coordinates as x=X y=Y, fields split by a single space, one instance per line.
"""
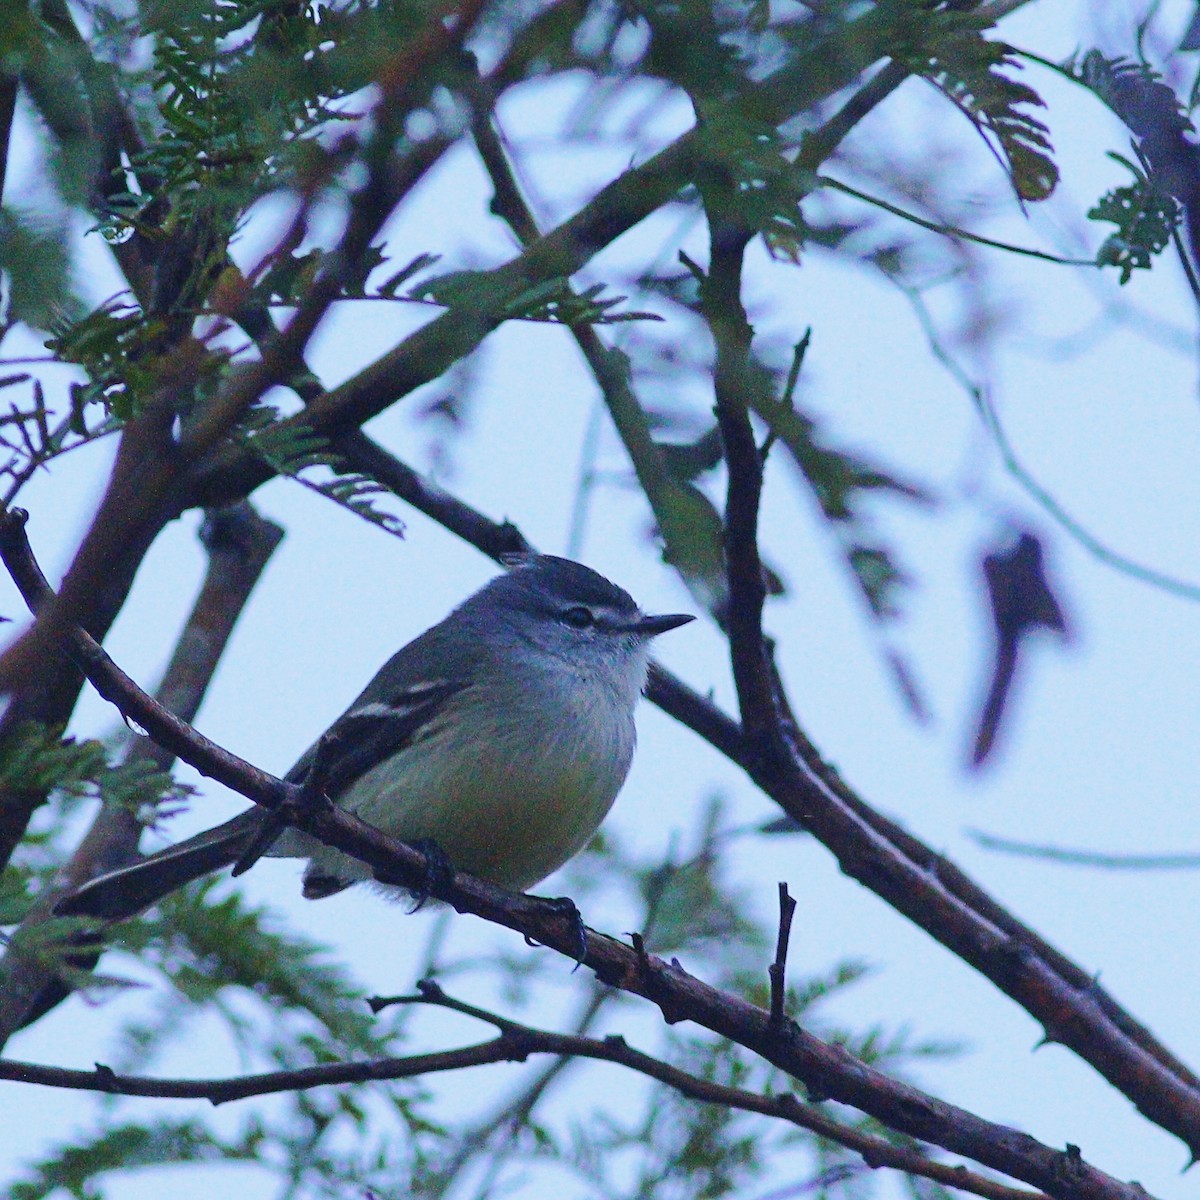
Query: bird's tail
x=118 y=895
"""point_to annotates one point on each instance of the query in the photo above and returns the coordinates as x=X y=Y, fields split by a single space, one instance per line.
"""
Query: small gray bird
x=502 y=734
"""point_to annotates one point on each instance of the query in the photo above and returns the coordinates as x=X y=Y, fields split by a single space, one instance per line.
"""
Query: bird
x=500 y=736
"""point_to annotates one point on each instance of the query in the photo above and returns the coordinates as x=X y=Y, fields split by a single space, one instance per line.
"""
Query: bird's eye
x=579 y=617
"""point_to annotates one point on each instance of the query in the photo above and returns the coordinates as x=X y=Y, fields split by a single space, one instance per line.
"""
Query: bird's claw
x=439 y=873
x=564 y=906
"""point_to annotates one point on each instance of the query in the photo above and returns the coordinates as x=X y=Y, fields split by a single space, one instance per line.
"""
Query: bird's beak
x=652 y=626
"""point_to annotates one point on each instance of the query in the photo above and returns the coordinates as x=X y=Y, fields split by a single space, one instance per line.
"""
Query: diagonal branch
x=239 y=543
x=828 y=1071
x=926 y=886
x=43 y=685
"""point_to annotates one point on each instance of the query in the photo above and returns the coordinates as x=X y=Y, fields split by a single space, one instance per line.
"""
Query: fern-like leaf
x=293 y=449
x=1135 y=92
x=72 y=1169
x=37 y=759
x=948 y=48
x=1166 y=181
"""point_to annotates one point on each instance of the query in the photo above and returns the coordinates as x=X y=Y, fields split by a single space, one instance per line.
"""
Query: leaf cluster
x=232 y=93
x=944 y=43
x=294 y=450
x=38 y=761
x=1146 y=218
x=1148 y=211
x=119 y=347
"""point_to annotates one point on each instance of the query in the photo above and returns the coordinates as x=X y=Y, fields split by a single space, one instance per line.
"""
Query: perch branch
x=827 y=1071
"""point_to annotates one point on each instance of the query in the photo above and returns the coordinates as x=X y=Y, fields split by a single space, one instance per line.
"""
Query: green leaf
x=292 y=449
x=74 y=1168
x=948 y=48
x=1146 y=218
x=15 y=897
x=552 y=300
x=764 y=189
x=36 y=758
x=206 y=942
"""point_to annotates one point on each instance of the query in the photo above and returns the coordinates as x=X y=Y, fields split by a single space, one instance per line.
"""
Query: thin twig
x=516 y=1042
x=1072 y=857
x=951 y=231
x=1017 y=469
x=778 y=969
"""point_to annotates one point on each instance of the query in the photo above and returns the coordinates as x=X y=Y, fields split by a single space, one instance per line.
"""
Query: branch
x=121 y=147
x=239 y=543
x=828 y=1071
x=818 y=144
x=1064 y=997
x=721 y=305
x=495 y=539
x=514 y=1114
x=778 y=969
x=43 y=686
x=515 y=1043
x=951 y=231
x=1162 y=1092
x=8 y=104
x=1074 y=857
x=813 y=76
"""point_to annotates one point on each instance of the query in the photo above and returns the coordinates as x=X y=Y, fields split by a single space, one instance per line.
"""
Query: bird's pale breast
x=514 y=798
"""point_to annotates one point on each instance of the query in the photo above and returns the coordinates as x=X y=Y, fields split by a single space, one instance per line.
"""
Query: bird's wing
x=373 y=730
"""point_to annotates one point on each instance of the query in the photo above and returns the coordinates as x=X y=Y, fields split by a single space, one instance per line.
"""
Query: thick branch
x=826 y=1070
x=924 y=885
x=44 y=687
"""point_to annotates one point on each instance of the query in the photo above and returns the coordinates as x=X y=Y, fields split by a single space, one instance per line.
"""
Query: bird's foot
x=439 y=872
x=564 y=906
